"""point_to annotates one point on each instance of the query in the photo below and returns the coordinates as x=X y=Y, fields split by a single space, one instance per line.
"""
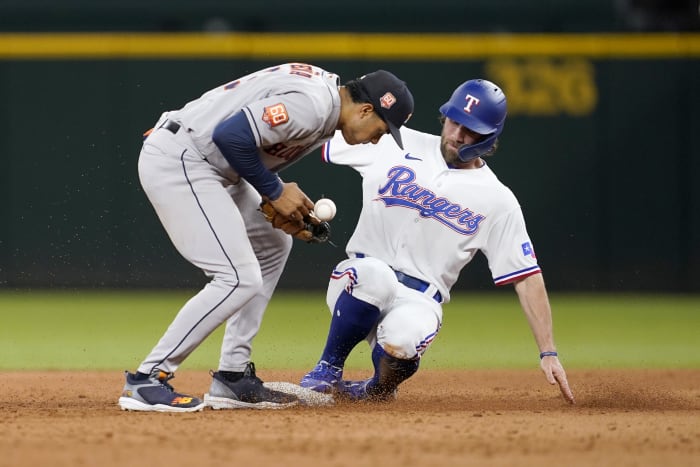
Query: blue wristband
x=548 y=354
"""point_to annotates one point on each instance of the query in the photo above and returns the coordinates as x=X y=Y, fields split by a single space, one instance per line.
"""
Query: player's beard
x=449 y=153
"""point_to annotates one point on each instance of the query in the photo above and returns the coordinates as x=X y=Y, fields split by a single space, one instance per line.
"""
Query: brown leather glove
x=310 y=229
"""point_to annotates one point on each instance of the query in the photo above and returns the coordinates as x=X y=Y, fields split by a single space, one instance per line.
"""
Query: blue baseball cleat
x=365 y=390
x=323 y=378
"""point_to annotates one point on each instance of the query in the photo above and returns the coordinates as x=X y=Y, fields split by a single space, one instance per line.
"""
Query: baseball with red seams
x=324 y=209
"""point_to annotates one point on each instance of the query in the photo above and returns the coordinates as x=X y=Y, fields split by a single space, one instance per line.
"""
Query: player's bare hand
x=293 y=202
x=555 y=374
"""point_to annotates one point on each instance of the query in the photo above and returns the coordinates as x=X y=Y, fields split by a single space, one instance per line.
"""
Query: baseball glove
x=310 y=229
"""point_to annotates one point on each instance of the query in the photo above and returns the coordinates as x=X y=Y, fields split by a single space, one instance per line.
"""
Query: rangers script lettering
x=406 y=194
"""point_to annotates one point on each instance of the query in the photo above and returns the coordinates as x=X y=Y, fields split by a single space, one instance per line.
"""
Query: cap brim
x=395 y=133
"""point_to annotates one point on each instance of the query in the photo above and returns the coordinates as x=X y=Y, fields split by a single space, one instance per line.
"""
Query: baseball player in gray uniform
x=427 y=210
x=205 y=169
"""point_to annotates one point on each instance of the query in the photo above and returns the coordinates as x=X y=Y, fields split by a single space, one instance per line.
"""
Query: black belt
x=416 y=284
x=171 y=126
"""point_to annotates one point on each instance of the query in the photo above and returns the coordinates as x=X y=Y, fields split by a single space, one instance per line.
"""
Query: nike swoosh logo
x=411 y=158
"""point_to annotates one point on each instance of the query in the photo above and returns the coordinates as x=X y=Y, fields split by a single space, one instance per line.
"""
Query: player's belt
x=171 y=126
x=416 y=284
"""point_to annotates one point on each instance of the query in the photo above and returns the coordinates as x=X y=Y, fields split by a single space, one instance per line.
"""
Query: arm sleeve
x=235 y=140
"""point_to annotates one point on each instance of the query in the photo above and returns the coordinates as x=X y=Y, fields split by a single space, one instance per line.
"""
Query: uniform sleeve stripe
x=502 y=280
x=325 y=152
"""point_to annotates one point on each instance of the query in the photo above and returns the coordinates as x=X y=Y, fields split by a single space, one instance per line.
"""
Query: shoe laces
x=327 y=367
x=250 y=372
x=163 y=379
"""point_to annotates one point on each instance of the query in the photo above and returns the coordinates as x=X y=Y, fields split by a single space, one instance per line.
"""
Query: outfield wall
x=601 y=147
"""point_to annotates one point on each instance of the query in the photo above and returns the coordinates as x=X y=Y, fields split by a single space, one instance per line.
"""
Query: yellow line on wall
x=410 y=47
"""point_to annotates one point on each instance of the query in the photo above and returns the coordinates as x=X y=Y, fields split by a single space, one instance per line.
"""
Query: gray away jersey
x=292 y=109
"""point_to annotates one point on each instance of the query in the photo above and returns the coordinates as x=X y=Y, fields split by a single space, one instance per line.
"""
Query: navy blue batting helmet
x=479 y=105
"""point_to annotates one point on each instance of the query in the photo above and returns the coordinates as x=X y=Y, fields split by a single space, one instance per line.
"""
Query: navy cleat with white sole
x=153 y=393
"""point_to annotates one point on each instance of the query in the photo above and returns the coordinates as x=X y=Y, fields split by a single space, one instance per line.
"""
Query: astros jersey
x=292 y=109
x=428 y=220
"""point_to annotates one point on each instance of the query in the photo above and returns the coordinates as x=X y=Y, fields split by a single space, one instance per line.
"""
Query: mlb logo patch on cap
x=387 y=100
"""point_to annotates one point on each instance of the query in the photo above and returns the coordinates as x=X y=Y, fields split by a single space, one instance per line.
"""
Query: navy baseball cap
x=391 y=100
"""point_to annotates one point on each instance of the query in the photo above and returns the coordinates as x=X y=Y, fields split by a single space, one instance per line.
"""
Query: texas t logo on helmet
x=471 y=100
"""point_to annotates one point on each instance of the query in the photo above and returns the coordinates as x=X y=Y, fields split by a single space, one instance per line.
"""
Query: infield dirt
x=441 y=418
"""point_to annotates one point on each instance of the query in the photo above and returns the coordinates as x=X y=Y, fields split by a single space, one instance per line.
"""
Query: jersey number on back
x=300 y=69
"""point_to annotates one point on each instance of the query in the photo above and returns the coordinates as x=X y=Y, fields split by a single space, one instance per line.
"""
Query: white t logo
x=471 y=100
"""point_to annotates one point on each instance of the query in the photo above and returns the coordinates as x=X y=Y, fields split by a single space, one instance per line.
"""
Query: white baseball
x=324 y=209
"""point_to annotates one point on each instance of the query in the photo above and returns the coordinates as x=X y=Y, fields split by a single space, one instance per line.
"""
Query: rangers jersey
x=428 y=220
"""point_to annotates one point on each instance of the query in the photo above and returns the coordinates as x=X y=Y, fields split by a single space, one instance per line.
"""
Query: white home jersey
x=428 y=220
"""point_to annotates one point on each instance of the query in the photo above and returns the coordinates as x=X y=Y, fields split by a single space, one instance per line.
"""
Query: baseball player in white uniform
x=205 y=169
x=427 y=209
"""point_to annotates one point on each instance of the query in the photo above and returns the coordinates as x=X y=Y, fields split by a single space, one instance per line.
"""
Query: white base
x=224 y=403
x=306 y=396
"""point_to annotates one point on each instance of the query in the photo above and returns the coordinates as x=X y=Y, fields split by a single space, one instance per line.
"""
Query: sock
x=138 y=376
x=389 y=372
x=352 y=320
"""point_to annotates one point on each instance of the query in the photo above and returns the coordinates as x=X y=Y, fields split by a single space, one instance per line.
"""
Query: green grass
x=115 y=329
